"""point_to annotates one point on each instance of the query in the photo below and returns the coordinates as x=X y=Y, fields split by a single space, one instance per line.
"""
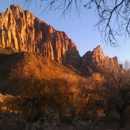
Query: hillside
x=25 y=64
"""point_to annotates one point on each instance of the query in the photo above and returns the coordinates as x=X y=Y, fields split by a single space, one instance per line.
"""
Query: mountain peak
x=22 y=31
x=98 y=54
x=98 y=48
x=95 y=60
x=14 y=8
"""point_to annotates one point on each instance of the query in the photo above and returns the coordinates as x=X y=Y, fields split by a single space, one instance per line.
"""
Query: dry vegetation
x=37 y=85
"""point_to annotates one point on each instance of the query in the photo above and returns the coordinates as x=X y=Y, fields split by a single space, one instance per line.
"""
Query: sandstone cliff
x=96 y=61
x=22 y=31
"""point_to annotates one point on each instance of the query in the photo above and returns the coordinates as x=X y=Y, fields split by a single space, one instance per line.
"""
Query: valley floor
x=100 y=126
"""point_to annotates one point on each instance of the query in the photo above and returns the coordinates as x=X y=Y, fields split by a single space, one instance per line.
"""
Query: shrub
x=81 y=125
x=15 y=123
x=48 y=121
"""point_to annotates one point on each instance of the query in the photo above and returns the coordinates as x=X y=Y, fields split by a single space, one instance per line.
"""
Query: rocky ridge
x=23 y=32
x=96 y=61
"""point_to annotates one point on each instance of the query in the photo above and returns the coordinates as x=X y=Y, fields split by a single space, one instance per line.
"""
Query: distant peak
x=14 y=6
x=97 y=52
x=98 y=48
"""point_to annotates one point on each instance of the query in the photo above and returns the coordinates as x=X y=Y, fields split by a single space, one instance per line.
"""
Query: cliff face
x=97 y=62
x=22 y=31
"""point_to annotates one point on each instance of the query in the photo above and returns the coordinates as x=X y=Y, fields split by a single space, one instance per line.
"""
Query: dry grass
x=100 y=126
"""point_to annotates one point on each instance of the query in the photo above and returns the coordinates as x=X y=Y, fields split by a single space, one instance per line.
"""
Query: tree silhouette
x=120 y=93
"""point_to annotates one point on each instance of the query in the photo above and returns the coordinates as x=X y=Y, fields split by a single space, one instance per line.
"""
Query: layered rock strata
x=23 y=31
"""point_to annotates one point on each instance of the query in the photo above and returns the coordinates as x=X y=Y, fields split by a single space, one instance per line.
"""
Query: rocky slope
x=22 y=31
x=24 y=64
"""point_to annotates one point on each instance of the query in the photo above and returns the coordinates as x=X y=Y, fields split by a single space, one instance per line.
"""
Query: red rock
x=96 y=61
x=22 y=31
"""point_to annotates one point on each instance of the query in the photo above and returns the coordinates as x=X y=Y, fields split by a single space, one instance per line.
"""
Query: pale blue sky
x=79 y=29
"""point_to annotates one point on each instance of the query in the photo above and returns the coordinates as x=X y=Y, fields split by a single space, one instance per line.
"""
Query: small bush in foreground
x=47 y=122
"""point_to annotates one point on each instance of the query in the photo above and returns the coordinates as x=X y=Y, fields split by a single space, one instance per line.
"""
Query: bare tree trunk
x=59 y=112
x=107 y=114
x=122 y=120
x=73 y=113
x=32 y=113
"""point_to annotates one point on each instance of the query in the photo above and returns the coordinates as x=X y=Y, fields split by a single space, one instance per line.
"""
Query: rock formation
x=22 y=31
x=97 y=62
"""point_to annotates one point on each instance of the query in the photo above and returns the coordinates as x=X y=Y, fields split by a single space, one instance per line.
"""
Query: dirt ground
x=100 y=126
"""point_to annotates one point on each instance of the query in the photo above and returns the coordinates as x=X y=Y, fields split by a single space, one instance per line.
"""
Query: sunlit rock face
x=22 y=31
x=97 y=62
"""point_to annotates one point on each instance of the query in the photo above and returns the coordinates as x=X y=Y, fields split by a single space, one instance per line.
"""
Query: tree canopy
x=114 y=15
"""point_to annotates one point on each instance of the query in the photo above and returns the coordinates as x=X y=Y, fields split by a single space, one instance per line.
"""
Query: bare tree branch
x=114 y=15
